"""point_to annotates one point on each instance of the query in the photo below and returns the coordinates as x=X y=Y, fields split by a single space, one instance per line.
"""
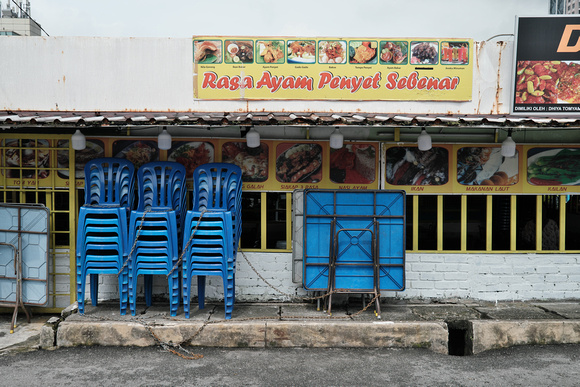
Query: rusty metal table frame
x=18 y=258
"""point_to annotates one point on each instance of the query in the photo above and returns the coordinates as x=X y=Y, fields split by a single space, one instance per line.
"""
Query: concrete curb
x=492 y=334
x=258 y=334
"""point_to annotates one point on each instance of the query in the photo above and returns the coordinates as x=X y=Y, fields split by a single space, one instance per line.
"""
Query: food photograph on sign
x=546 y=76
x=394 y=52
x=486 y=166
x=424 y=53
x=94 y=149
x=353 y=164
x=301 y=51
x=252 y=161
x=454 y=53
x=27 y=153
x=298 y=163
x=138 y=152
x=362 y=51
x=207 y=51
x=410 y=166
x=332 y=51
x=270 y=51
x=239 y=51
x=554 y=166
x=191 y=154
x=547 y=82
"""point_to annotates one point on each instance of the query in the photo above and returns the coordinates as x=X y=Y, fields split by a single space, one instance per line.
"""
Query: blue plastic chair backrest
x=217 y=186
x=110 y=181
x=162 y=184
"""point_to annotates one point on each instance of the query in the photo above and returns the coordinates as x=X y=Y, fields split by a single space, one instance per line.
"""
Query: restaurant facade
x=432 y=117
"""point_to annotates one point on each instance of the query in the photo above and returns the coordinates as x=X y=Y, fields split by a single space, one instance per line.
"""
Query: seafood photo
x=27 y=153
x=410 y=166
x=137 y=152
x=486 y=166
x=207 y=51
x=253 y=161
x=94 y=149
x=393 y=53
x=299 y=163
x=191 y=155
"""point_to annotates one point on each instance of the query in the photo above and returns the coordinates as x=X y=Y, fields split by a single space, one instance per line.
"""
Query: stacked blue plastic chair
x=156 y=229
x=212 y=231
x=102 y=227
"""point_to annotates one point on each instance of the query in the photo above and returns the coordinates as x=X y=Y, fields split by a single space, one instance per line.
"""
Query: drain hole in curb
x=459 y=343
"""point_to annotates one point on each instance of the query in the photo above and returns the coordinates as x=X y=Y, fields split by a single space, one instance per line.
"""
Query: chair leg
x=174 y=293
x=201 y=291
x=148 y=286
x=81 y=289
x=228 y=295
x=95 y=289
x=186 y=292
x=123 y=292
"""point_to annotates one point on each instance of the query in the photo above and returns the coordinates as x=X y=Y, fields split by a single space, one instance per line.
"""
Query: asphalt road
x=152 y=366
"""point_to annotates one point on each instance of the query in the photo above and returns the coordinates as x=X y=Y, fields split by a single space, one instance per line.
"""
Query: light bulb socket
x=252 y=138
x=336 y=139
x=164 y=140
x=424 y=141
x=78 y=140
x=508 y=147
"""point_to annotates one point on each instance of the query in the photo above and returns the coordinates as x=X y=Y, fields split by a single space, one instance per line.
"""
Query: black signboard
x=547 y=65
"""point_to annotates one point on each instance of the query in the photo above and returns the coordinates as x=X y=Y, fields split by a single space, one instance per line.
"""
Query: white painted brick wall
x=428 y=276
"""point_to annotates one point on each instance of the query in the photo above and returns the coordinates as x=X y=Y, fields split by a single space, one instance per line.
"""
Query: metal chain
x=282 y=292
x=135 y=242
x=187 y=245
x=149 y=211
x=176 y=349
x=377 y=295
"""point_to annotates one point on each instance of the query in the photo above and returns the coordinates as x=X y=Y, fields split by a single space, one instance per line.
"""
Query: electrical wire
x=26 y=13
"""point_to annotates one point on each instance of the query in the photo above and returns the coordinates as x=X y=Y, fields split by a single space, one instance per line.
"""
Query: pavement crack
x=552 y=312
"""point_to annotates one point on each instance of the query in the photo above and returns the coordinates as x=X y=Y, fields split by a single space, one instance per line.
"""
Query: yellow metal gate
x=38 y=169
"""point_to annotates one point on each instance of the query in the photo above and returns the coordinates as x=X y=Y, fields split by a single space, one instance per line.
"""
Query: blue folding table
x=354 y=242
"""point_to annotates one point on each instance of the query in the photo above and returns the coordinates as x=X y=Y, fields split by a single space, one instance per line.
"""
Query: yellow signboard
x=333 y=69
x=481 y=169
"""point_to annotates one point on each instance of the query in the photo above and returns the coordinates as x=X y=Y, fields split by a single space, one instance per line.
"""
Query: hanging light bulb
x=164 y=139
x=78 y=140
x=424 y=141
x=252 y=138
x=336 y=139
x=508 y=146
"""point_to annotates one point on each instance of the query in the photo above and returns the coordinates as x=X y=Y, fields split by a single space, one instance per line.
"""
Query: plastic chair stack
x=212 y=231
x=156 y=229
x=102 y=227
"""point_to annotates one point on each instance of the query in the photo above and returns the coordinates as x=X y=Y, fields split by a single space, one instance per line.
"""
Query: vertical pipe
x=488 y=223
x=439 y=222
x=73 y=208
x=513 y=225
x=562 y=227
x=415 y=222
x=463 y=222
x=263 y=219
x=288 y=220
x=539 y=200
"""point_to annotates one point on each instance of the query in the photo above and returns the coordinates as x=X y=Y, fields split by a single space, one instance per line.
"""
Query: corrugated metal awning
x=112 y=119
